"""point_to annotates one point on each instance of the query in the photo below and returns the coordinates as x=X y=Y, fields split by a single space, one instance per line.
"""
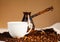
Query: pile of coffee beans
x=49 y=35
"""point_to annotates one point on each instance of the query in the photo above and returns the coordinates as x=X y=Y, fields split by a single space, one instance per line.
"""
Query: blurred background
x=12 y=10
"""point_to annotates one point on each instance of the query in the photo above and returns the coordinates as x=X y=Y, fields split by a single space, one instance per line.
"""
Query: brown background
x=12 y=10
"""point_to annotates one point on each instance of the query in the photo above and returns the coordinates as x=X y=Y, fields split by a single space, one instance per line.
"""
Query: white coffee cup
x=18 y=29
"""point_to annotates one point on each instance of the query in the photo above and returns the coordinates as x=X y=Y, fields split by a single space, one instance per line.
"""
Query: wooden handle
x=49 y=8
x=41 y=12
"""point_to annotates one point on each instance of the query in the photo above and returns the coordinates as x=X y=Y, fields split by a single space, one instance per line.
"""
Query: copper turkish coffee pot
x=28 y=18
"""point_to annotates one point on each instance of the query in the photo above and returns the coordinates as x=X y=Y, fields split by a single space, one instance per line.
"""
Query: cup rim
x=17 y=22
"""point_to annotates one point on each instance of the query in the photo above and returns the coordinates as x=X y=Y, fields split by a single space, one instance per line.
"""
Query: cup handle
x=30 y=29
